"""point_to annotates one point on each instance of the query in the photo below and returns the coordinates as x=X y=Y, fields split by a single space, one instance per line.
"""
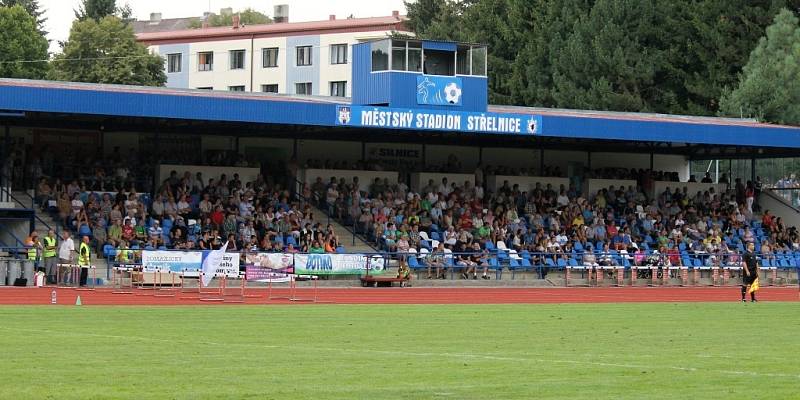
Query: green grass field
x=592 y=351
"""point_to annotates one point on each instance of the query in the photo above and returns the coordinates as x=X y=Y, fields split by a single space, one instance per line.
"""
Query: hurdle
x=158 y=287
x=122 y=284
x=189 y=292
x=208 y=293
x=70 y=271
x=620 y=276
x=270 y=296
x=88 y=288
x=684 y=275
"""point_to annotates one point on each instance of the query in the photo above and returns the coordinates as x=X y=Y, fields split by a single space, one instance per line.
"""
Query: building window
x=269 y=88
x=338 y=54
x=339 y=88
x=302 y=88
x=236 y=88
x=205 y=61
x=174 y=62
x=237 y=59
x=380 y=55
x=269 y=57
x=205 y=88
x=303 y=56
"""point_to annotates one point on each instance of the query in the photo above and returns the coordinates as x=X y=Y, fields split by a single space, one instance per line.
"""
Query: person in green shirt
x=115 y=233
x=316 y=248
x=140 y=232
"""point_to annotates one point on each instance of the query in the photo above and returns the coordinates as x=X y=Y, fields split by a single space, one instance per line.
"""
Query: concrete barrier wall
x=420 y=180
x=365 y=178
x=693 y=187
x=245 y=174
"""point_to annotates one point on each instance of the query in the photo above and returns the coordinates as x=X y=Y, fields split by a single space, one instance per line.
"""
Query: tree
x=32 y=7
x=106 y=51
x=23 y=49
x=246 y=17
x=769 y=85
x=96 y=9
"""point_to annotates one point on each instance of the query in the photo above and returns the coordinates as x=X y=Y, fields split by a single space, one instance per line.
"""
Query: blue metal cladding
x=368 y=87
x=443 y=46
x=673 y=132
x=303 y=73
x=192 y=106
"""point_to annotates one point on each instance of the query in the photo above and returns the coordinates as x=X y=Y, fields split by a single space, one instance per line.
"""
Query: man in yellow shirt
x=49 y=256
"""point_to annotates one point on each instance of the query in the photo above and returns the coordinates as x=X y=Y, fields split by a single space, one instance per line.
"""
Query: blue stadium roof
x=26 y=96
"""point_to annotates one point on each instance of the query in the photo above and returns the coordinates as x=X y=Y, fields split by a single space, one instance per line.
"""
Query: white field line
x=471 y=356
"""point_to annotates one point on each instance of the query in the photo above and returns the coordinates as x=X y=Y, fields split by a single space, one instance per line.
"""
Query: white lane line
x=419 y=354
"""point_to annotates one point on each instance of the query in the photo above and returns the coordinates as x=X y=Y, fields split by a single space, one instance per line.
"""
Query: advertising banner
x=438 y=120
x=338 y=264
x=175 y=261
x=269 y=267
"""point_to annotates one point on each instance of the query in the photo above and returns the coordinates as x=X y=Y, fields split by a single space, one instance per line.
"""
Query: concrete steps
x=345 y=236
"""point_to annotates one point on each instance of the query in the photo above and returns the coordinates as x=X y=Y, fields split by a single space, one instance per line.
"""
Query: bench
x=382 y=281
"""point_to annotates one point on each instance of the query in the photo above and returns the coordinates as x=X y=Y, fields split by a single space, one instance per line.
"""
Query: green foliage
x=669 y=56
x=96 y=9
x=106 y=51
x=247 y=16
x=769 y=86
x=21 y=41
x=32 y=7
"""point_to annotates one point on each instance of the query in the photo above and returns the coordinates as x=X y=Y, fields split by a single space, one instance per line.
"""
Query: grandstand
x=539 y=191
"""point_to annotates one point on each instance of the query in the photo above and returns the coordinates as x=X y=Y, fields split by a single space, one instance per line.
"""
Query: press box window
x=438 y=62
x=398 y=55
x=304 y=56
x=237 y=59
x=174 y=62
x=205 y=61
x=303 y=88
x=338 y=54
x=380 y=55
x=338 y=88
x=478 y=55
x=269 y=57
x=269 y=88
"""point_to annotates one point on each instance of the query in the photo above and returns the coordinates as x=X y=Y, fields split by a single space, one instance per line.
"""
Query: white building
x=289 y=58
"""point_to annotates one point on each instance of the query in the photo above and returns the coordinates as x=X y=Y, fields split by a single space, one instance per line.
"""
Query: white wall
x=335 y=72
x=222 y=76
x=673 y=163
x=271 y=75
x=692 y=187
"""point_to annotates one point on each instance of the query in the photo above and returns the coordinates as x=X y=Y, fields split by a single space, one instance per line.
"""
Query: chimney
x=396 y=14
x=236 y=20
x=281 y=13
x=155 y=17
x=332 y=17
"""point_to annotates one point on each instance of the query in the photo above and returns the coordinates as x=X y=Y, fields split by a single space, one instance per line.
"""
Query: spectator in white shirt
x=66 y=254
x=77 y=205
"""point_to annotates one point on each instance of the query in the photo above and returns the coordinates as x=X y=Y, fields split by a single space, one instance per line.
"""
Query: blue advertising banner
x=332 y=264
x=454 y=121
x=439 y=90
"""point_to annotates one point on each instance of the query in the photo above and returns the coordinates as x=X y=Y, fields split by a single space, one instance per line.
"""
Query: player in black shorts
x=749 y=272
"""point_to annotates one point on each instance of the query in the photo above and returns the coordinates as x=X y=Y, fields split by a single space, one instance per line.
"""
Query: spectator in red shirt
x=217 y=216
x=127 y=231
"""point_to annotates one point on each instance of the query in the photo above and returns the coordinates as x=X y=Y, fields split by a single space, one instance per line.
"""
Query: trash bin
x=3 y=271
x=27 y=271
x=14 y=269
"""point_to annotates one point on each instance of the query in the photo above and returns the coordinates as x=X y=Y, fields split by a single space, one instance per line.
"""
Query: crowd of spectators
x=560 y=224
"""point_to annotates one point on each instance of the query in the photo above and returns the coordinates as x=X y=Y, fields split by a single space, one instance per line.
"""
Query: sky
x=60 y=13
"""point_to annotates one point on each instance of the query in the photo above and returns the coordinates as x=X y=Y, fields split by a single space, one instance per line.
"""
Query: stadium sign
x=174 y=261
x=454 y=121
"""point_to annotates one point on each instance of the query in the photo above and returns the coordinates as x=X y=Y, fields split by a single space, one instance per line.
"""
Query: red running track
x=34 y=296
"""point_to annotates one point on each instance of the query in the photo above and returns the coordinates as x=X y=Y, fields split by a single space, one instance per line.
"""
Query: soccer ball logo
x=452 y=93
x=532 y=125
x=344 y=115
